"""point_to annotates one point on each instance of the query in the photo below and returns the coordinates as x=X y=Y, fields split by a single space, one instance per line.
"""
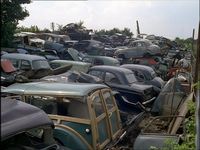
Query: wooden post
x=197 y=67
x=192 y=50
x=197 y=77
x=138 y=28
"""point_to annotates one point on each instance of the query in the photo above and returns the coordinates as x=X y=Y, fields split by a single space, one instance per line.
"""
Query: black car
x=25 y=127
x=124 y=81
x=145 y=74
x=91 y=47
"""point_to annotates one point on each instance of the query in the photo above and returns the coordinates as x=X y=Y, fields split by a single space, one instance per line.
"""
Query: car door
x=112 y=113
x=103 y=135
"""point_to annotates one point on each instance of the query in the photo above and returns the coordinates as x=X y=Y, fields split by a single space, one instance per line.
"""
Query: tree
x=11 y=13
x=80 y=25
x=127 y=32
x=33 y=28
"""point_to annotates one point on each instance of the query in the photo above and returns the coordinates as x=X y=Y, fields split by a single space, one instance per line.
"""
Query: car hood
x=141 y=87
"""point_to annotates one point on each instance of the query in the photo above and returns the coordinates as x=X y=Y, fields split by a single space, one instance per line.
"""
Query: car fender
x=68 y=137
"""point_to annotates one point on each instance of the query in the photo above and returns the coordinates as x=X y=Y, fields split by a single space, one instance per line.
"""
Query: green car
x=86 y=116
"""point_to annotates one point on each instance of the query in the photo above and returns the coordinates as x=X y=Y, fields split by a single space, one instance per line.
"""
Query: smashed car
x=33 y=66
x=85 y=116
x=24 y=126
x=124 y=81
x=145 y=74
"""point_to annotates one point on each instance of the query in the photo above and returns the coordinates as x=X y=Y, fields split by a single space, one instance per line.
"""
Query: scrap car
x=9 y=74
x=85 y=116
x=145 y=74
x=24 y=126
x=124 y=81
x=33 y=66
x=166 y=122
x=138 y=49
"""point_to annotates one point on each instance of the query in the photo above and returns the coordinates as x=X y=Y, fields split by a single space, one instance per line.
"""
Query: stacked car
x=90 y=94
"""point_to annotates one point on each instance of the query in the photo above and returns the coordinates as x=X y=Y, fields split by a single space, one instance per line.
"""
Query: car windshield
x=130 y=78
x=38 y=64
x=63 y=106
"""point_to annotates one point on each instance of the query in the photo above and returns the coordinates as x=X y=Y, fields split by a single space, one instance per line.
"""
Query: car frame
x=95 y=132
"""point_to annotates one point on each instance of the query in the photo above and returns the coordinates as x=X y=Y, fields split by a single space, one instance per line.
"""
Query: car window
x=96 y=73
x=98 y=61
x=130 y=78
x=108 y=100
x=110 y=77
x=25 y=65
x=139 y=44
x=153 y=74
x=139 y=75
x=63 y=106
x=67 y=56
x=98 y=106
x=15 y=62
x=134 y=44
x=38 y=64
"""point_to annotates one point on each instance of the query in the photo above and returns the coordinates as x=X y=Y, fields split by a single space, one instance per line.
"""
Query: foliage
x=197 y=85
x=80 y=25
x=11 y=12
x=125 y=31
x=186 y=44
x=33 y=29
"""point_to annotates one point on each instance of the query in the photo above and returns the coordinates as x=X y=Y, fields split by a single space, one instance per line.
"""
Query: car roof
x=23 y=56
x=138 y=67
x=111 y=69
x=53 y=88
x=106 y=58
x=70 y=62
x=17 y=116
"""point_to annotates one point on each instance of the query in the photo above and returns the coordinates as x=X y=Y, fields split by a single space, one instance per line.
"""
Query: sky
x=168 y=18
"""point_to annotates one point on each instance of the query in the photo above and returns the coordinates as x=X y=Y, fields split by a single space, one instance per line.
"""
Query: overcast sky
x=169 y=18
